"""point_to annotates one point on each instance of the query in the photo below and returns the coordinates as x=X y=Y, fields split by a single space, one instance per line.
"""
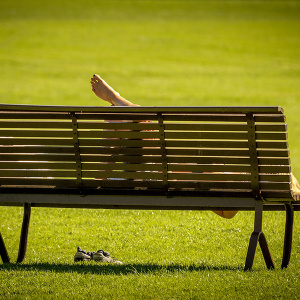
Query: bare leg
x=295 y=185
x=227 y=214
x=107 y=93
x=231 y=214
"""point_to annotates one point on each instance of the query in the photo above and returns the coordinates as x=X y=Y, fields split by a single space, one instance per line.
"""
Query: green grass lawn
x=154 y=53
x=166 y=255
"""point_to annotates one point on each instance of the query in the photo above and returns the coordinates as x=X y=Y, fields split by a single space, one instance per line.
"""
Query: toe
x=97 y=78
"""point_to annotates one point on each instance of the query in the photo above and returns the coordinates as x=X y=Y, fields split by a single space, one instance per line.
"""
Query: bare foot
x=103 y=90
x=107 y=93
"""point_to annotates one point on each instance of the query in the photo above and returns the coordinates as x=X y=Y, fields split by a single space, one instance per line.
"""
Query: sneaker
x=82 y=255
x=104 y=256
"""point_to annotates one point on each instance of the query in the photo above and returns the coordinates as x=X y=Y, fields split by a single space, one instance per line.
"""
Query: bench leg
x=251 y=251
x=288 y=237
x=258 y=236
x=266 y=251
x=24 y=233
x=3 y=252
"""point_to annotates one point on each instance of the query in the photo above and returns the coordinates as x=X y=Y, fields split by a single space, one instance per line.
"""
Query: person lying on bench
x=107 y=93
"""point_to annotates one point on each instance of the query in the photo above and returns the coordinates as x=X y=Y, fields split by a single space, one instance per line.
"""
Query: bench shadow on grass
x=109 y=269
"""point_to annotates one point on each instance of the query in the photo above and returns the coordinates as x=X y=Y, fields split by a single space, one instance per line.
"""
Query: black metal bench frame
x=153 y=170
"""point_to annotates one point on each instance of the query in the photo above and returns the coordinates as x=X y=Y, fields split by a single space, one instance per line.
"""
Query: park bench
x=177 y=158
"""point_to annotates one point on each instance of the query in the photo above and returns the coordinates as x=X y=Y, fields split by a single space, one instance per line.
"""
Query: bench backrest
x=234 y=151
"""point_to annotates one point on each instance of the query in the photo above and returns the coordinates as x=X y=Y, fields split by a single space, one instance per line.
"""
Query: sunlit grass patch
x=154 y=53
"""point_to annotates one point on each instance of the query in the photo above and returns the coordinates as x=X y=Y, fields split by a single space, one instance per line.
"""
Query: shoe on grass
x=82 y=255
x=104 y=256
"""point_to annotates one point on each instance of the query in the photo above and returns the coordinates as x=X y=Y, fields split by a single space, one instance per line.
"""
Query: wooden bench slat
x=39 y=182
x=118 y=126
x=205 y=127
x=223 y=127
x=37 y=157
x=228 y=177
x=157 y=151
x=47 y=167
x=223 y=135
x=34 y=115
x=38 y=165
x=115 y=143
x=62 y=184
x=275 y=177
x=206 y=144
x=117 y=166
x=274 y=161
x=271 y=127
x=271 y=136
x=36 y=149
x=204 y=118
x=226 y=152
x=277 y=195
x=114 y=183
x=209 y=160
x=238 y=177
x=172 y=176
x=208 y=168
x=225 y=184
x=112 y=116
x=145 y=159
x=122 y=174
x=144 y=173
x=207 y=152
x=35 y=124
x=172 y=184
x=225 y=144
x=137 y=143
x=210 y=185
x=269 y=118
x=224 y=118
x=227 y=168
x=274 y=186
x=119 y=134
x=152 y=109
x=37 y=133
x=119 y=142
x=273 y=153
x=272 y=145
x=121 y=158
x=120 y=150
x=109 y=183
x=275 y=169
x=37 y=173
x=206 y=135
x=37 y=141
